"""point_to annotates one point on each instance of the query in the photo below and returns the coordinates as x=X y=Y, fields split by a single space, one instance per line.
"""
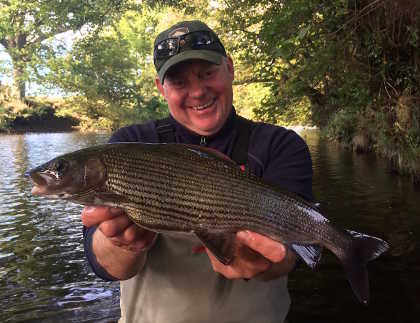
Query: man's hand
x=256 y=256
x=118 y=228
x=118 y=244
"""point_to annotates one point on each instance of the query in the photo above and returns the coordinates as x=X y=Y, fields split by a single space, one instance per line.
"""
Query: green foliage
x=248 y=98
x=109 y=76
x=26 y=27
x=347 y=59
x=6 y=118
x=342 y=126
x=398 y=135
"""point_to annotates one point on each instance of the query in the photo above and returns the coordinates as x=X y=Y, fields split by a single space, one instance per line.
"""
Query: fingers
x=122 y=231
x=254 y=254
x=94 y=215
x=134 y=238
x=246 y=264
x=270 y=249
x=115 y=226
x=133 y=233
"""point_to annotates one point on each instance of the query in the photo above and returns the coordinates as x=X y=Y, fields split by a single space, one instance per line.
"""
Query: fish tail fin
x=364 y=249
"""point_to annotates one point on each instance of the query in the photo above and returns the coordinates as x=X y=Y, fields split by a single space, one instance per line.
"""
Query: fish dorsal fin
x=221 y=245
x=207 y=152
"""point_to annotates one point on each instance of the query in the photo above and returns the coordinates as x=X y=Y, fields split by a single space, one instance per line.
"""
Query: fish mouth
x=39 y=180
x=38 y=190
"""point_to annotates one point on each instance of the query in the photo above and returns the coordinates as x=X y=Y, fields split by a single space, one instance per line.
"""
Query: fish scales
x=231 y=198
x=188 y=183
x=173 y=177
x=156 y=185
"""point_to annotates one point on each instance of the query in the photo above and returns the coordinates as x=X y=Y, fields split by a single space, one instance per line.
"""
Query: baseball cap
x=184 y=41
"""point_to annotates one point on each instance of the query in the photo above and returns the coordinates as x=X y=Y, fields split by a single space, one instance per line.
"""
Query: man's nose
x=197 y=89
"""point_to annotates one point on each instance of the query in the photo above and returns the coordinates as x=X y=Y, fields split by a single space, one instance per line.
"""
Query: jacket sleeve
x=135 y=133
x=90 y=256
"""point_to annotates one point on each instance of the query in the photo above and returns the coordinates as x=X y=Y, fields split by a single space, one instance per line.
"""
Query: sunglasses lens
x=199 y=39
x=194 y=40
x=167 y=48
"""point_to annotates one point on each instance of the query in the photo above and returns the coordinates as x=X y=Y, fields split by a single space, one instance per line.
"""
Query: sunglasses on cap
x=192 y=41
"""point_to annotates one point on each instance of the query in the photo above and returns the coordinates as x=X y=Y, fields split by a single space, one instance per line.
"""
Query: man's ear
x=159 y=86
x=230 y=67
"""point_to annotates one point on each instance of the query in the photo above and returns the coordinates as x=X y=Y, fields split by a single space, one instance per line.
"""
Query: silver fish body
x=183 y=188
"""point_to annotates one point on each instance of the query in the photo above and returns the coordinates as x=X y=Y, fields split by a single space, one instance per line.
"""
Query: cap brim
x=205 y=55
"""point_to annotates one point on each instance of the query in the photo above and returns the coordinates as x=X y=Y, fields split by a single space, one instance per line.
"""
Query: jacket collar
x=189 y=136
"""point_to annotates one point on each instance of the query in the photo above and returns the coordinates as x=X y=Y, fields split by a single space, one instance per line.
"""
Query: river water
x=45 y=278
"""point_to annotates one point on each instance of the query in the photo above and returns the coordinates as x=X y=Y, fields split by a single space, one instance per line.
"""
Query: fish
x=192 y=189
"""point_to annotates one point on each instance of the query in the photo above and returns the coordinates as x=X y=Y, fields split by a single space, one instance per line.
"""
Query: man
x=167 y=278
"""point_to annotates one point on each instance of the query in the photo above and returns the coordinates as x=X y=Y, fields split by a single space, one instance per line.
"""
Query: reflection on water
x=359 y=193
x=45 y=278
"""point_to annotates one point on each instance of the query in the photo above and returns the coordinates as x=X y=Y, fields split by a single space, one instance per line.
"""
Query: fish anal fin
x=220 y=245
x=310 y=254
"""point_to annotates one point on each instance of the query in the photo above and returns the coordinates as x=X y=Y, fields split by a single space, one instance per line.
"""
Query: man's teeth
x=202 y=107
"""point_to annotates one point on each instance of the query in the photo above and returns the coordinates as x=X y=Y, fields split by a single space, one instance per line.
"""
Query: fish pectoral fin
x=220 y=245
x=310 y=254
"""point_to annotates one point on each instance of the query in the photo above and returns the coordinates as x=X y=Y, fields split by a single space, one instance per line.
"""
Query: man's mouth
x=204 y=106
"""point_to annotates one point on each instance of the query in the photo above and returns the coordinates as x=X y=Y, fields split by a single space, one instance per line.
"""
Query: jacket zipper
x=203 y=141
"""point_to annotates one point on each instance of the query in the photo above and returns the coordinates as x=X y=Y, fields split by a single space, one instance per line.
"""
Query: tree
x=109 y=76
x=356 y=62
x=25 y=25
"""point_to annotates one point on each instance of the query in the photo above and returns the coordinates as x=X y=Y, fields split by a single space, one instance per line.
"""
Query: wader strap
x=166 y=134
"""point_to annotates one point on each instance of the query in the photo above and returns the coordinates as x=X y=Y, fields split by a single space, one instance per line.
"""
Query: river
x=45 y=278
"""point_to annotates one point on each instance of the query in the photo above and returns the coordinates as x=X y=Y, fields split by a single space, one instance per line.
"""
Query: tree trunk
x=18 y=87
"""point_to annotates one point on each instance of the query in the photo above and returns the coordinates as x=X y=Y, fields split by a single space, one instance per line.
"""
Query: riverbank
x=35 y=116
x=45 y=122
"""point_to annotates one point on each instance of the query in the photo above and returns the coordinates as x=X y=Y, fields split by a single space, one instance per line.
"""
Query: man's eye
x=209 y=73
x=177 y=83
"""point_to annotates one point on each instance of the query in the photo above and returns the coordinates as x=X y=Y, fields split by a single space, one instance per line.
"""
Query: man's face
x=199 y=94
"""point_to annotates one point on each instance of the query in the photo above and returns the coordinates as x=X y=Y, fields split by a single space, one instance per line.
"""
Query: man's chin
x=206 y=129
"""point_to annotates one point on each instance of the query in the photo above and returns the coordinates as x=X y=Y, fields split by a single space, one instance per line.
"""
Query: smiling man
x=170 y=278
x=199 y=94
